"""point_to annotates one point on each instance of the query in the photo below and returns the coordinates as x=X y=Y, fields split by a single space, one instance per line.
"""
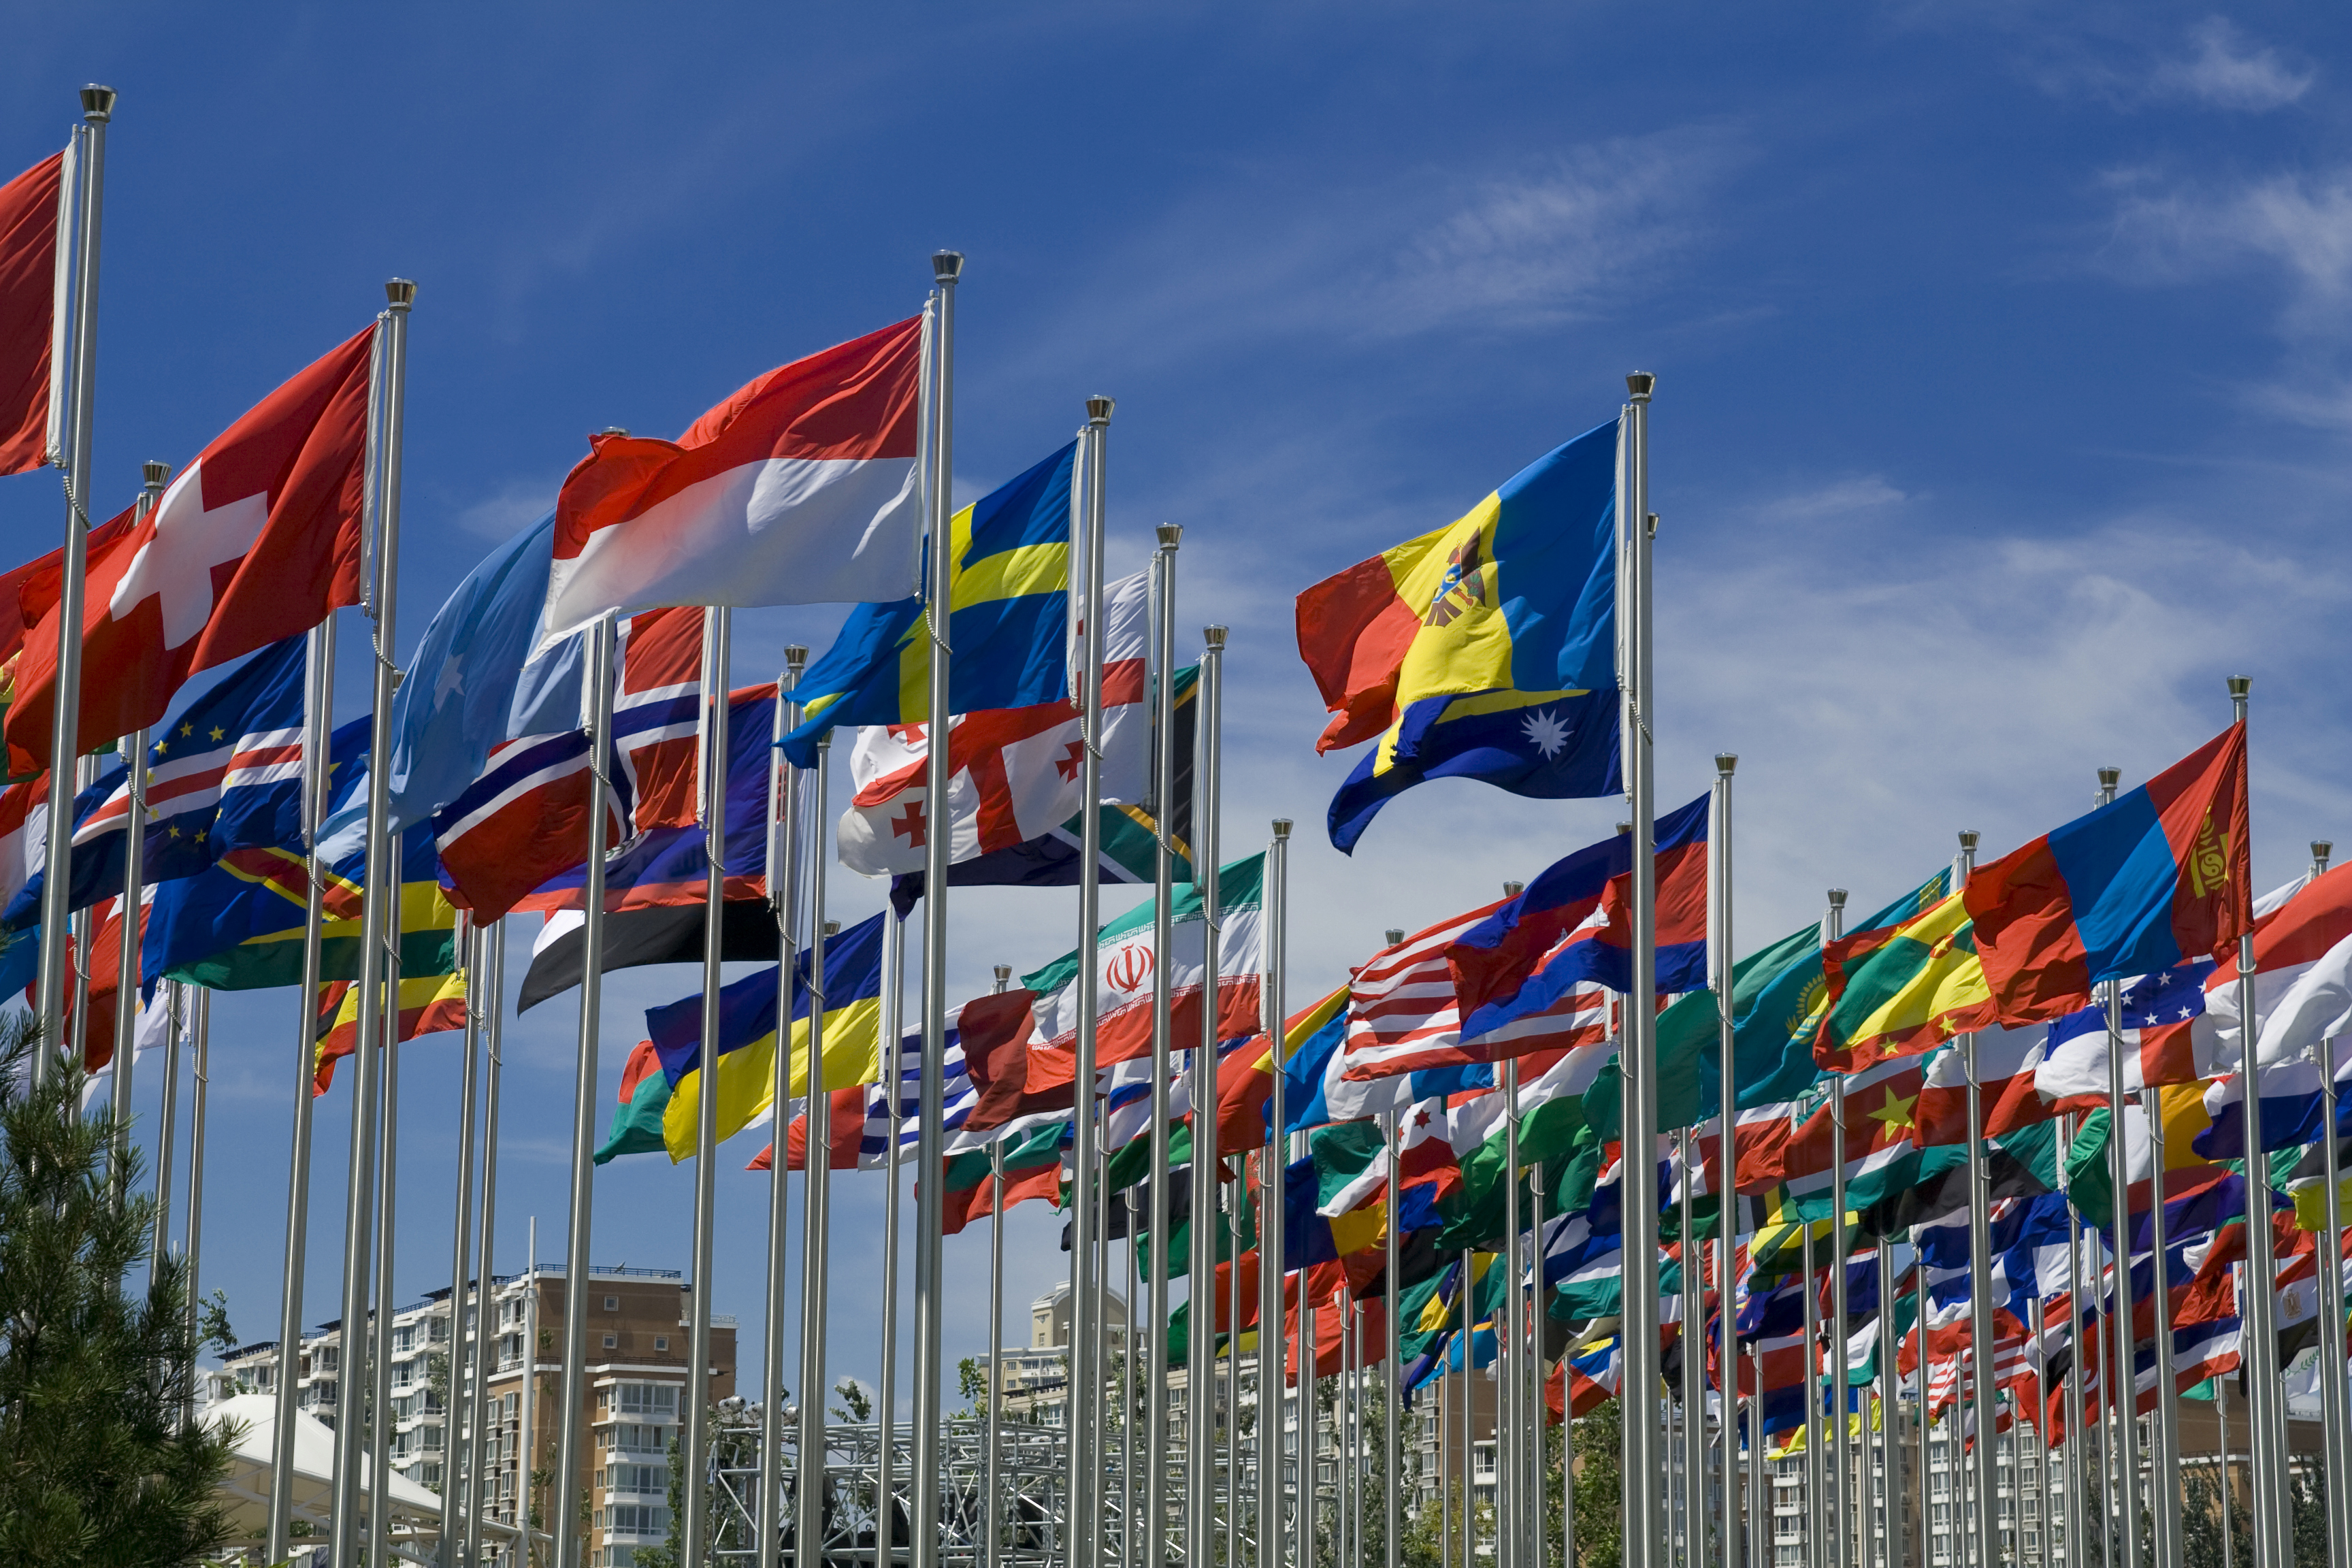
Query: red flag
x=29 y=281
x=258 y=539
x=657 y=714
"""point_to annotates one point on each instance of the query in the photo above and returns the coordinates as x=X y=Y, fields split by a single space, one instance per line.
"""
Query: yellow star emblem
x=186 y=730
x=1896 y=1113
x=175 y=832
x=164 y=746
x=218 y=733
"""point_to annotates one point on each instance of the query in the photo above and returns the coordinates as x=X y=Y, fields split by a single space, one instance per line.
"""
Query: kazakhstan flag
x=1485 y=649
x=747 y=1037
x=1008 y=621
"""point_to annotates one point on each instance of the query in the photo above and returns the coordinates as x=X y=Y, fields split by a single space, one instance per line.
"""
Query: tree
x=860 y=1403
x=1599 y=1491
x=96 y=1466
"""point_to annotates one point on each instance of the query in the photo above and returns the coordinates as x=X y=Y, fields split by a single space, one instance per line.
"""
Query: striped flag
x=1401 y=1011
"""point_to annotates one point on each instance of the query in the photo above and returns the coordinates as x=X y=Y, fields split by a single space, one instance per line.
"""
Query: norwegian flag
x=256 y=541
x=657 y=715
x=1402 y=1013
x=2166 y=1039
x=522 y=824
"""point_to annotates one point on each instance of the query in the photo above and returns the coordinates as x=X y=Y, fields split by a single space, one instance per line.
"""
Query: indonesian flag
x=256 y=541
x=799 y=489
x=1016 y=774
x=33 y=217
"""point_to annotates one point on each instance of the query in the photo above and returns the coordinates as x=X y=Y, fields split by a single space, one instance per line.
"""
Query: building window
x=658 y=1399
x=613 y=1341
x=661 y=1341
x=613 y=1304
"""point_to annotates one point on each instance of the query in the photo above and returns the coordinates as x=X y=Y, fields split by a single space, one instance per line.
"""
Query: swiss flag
x=29 y=281
x=258 y=539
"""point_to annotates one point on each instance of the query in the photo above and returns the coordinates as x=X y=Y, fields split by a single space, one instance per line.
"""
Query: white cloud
x=1843 y=498
x=513 y=507
x=2293 y=224
x=2226 y=70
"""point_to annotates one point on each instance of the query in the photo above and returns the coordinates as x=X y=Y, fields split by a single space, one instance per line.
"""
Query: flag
x=1009 y=621
x=657 y=715
x=1123 y=978
x=28 y=593
x=2303 y=952
x=1403 y=1015
x=2136 y=887
x=429 y=1004
x=658 y=933
x=1245 y=1083
x=1529 y=976
x=524 y=822
x=256 y=541
x=2166 y=1039
x=35 y=220
x=1905 y=983
x=2009 y=1062
x=747 y=1037
x=2090 y=1180
x=799 y=489
x=1015 y=773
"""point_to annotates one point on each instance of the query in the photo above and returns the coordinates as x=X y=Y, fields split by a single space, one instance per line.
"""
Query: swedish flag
x=852 y=1003
x=1008 y=621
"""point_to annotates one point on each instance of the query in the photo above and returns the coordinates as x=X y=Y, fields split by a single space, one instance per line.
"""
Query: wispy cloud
x=2214 y=66
x=507 y=510
x=2294 y=225
x=2225 y=70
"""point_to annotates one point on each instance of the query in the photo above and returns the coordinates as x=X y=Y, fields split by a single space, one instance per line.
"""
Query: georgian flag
x=799 y=489
x=255 y=542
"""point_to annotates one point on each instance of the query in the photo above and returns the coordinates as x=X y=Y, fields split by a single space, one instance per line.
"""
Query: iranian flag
x=1124 y=966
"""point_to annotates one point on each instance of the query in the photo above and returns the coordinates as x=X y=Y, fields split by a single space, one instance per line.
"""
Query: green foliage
x=859 y=1402
x=95 y=1466
x=971 y=1383
x=1599 y=1492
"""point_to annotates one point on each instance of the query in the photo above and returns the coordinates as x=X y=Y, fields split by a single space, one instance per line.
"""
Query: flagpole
x=387 y=1245
x=65 y=721
x=1986 y=1395
x=1086 y=1378
x=1693 y=1338
x=469 y=946
x=2332 y=1351
x=1391 y=1369
x=894 y=1024
x=1466 y=1337
x=1890 y=1385
x=1273 y=1380
x=1727 y=1098
x=946 y=266
x=318 y=679
x=1200 y=1291
x=1840 y=1477
x=135 y=857
x=381 y=895
x=1638 y=1051
x=2272 y=1542
x=2164 y=1472
x=1510 y=1472
x=783 y=843
x=200 y=1036
x=717 y=648
x=587 y=1095
x=1816 y=1507
x=2077 y=1476
x=992 y=1494
x=486 y=1253
x=809 y=1481
x=1163 y=939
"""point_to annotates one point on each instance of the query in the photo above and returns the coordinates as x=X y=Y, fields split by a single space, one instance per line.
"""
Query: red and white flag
x=33 y=217
x=799 y=489
x=1403 y=1015
x=657 y=715
x=256 y=541
x=1015 y=773
x=520 y=825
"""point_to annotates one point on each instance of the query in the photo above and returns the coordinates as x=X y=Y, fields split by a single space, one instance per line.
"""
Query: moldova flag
x=1484 y=649
x=2159 y=876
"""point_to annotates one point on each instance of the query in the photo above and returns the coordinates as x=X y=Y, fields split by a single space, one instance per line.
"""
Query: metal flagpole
x=1163 y=812
x=1391 y=1368
x=1840 y=1502
x=2164 y=1476
x=717 y=648
x=387 y=1243
x=1816 y=1510
x=2331 y=1324
x=1232 y=1378
x=1273 y=1344
x=1131 y=1386
x=894 y=1024
x=453 y=1445
x=991 y=1488
x=1085 y=1377
x=929 y=1302
x=2273 y=1545
x=1469 y=1333
x=1986 y=1396
x=1199 y=1292
x=491 y=1003
x=1637 y=1051
x=527 y=1426
x=587 y=1096
x=64 y=723
x=2076 y=1433
x=1693 y=1336
x=2123 y=1401
x=318 y=704
x=200 y=1036
x=134 y=869
x=380 y=898
x=809 y=1480
x=1727 y=1093
x=1890 y=1385
x=783 y=845
x=1510 y=1474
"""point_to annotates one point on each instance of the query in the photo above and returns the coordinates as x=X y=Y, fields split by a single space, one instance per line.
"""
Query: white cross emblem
x=176 y=566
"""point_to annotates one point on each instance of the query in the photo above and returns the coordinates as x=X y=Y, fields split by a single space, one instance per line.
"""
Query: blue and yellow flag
x=747 y=1037
x=1008 y=621
x=1485 y=649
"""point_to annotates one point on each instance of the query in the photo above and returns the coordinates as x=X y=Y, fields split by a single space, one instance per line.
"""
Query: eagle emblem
x=1462 y=589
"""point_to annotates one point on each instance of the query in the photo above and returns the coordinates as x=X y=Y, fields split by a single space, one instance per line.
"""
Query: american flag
x=1402 y=1013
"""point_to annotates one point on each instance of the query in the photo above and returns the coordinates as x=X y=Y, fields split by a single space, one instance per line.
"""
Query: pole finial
x=1214 y=638
x=1725 y=763
x=795 y=658
x=1969 y=843
x=399 y=293
x=613 y=430
x=1098 y=409
x=1837 y=897
x=1640 y=385
x=1281 y=830
x=2108 y=779
x=1004 y=978
x=96 y=103
x=1395 y=935
x=155 y=474
x=946 y=266
x=2321 y=849
x=1169 y=535
x=1624 y=827
x=832 y=930
x=1513 y=889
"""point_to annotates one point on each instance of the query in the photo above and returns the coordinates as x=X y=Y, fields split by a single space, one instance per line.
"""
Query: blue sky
x=2002 y=407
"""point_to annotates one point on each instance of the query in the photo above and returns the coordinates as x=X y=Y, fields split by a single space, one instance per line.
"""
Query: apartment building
x=637 y=1375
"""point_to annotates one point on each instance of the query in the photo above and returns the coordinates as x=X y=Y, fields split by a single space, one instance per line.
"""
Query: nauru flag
x=799 y=489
